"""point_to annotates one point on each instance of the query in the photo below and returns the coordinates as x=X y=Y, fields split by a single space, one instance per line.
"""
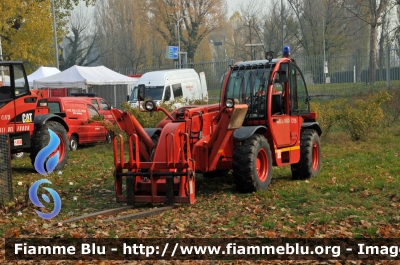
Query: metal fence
x=332 y=75
x=5 y=170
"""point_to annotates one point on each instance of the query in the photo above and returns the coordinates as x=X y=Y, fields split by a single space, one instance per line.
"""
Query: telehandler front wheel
x=41 y=139
x=252 y=164
x=310 y=156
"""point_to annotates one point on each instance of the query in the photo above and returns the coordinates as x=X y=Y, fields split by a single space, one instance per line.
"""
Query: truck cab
x=77 y=113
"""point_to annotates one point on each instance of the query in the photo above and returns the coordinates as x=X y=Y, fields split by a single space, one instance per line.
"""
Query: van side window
x=167 y=94
x=94 y=102
x=177 y=90
x=54 y=107
x=104 y=105
x=92 y=111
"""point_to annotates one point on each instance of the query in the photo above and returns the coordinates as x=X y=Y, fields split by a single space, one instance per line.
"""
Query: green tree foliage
x=26 y=29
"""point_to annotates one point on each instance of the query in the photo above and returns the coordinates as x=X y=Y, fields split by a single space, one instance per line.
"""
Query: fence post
x=387 y=67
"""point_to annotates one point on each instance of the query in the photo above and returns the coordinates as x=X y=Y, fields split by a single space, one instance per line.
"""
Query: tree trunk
x=372 y=54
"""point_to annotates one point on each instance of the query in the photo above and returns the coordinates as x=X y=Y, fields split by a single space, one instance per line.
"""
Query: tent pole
x=115 y=97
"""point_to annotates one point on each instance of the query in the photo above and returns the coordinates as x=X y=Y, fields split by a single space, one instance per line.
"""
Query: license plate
x=17 y=142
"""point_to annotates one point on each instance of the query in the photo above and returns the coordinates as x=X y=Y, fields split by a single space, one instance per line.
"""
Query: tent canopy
x=42 y=72
x=81 y=76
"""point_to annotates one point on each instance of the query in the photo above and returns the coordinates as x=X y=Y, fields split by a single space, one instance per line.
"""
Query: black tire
x=19 y=155
x=41 y=138
x=73 y=143
x=310 y=156
x=215 y=174
x=252 y=164
x=109 y=137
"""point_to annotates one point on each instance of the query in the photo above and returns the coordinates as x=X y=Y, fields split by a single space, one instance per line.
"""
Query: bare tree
x=371 y=12
x=124 y=33
x=197 y=20
x=276 y=18
x=80 y=47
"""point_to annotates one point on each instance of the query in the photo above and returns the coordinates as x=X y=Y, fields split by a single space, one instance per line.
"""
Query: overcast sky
x=232 y=4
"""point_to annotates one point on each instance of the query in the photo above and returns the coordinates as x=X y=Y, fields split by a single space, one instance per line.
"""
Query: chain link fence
x=5 y=170
x=326 y=76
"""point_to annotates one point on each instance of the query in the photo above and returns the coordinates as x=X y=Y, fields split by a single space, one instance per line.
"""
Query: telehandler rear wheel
x=252 y=164
x=310 y=156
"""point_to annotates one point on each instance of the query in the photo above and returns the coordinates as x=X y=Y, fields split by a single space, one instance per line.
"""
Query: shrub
x=391 y=108
x=364 y=116
x=329 y=114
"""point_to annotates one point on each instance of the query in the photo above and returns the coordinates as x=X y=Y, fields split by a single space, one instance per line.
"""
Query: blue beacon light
x=286 y=51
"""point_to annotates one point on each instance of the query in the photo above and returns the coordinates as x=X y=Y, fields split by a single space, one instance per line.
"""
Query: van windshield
x=152 y=93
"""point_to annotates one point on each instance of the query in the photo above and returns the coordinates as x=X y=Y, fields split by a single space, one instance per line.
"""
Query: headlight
x=230 y=102
x=150 y=105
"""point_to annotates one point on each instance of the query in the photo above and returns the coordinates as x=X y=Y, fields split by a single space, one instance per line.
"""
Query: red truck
x=101 y=105
x=76 y=113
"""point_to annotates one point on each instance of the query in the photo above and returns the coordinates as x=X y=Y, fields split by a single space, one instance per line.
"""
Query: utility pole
x=179 y=38
x=283 y=44
x=1 y=59
x=55 y=34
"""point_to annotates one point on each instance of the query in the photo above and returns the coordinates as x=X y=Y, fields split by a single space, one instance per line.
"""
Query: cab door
x=281 y=119
x=299 y=102
x=106 y=110
x=97 y=132
x=289 y=101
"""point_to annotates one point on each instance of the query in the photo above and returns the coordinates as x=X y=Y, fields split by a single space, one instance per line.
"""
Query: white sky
x=232 y=4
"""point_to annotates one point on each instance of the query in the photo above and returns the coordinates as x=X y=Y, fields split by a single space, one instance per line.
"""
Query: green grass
x=355 y=195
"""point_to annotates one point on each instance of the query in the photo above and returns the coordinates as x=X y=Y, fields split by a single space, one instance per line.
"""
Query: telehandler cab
x=263 y=120
x=25 y=117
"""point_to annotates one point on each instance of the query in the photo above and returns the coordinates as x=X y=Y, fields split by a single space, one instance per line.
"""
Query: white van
x=166 y=85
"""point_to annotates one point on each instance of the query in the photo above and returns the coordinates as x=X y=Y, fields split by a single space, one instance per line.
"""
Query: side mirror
x=142 y=92
x=283 y=73
x=127 y=97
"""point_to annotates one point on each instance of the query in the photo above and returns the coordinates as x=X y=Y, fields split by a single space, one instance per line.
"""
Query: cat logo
x=26 y=117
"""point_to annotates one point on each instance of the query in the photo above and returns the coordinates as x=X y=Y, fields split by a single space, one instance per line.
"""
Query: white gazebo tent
x=42 y=72
x=84 y=77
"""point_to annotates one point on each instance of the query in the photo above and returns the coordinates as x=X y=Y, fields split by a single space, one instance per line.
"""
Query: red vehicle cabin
x=76 y=113
x=101 y=105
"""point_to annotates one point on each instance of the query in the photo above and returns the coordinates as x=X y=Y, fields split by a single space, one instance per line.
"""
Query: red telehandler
x=25 y=117
x=263 y=120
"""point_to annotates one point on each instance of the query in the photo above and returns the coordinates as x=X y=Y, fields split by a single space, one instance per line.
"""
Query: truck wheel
x=252 y=164
x=19 y=155
x=310 y=156
x=41 y=138
x=73 y=143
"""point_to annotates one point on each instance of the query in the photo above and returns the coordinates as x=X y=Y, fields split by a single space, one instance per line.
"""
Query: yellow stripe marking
x=288 y=149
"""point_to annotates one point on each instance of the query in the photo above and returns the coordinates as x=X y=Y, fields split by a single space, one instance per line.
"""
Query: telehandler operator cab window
x=5 y=85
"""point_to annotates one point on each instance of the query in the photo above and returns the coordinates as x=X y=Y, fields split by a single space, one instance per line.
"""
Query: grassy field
x=355 y=196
